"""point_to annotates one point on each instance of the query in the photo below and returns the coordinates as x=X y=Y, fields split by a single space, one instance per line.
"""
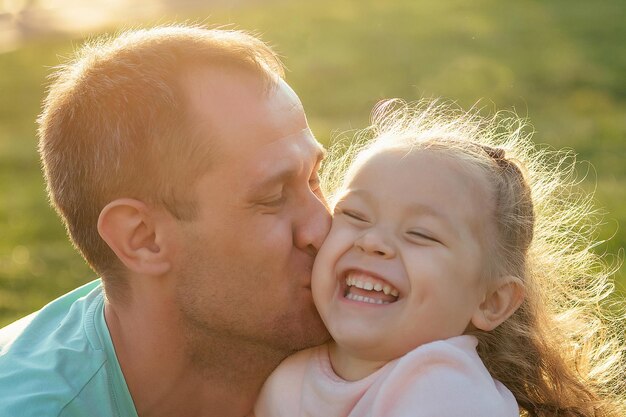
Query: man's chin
x=314 y=334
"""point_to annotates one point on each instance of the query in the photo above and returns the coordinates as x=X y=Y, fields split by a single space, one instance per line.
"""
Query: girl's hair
x=562 y=352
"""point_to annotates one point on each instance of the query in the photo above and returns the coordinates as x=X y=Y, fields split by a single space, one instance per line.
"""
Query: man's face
x=244 y=268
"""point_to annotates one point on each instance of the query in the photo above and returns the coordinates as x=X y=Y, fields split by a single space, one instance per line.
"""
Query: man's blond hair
x=115 y=124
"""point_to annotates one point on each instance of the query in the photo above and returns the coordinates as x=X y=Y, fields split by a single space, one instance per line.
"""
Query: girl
x=456 y=280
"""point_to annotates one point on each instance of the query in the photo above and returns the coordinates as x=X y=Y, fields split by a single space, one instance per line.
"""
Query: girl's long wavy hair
x=562 y=352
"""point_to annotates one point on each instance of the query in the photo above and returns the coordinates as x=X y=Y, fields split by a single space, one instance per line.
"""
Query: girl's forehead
x=406 y=161
x=442 y=180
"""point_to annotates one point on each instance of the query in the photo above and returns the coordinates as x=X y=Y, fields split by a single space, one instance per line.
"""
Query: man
x=186 y=175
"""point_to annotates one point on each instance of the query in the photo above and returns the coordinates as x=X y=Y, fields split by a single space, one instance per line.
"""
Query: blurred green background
x=560 y=63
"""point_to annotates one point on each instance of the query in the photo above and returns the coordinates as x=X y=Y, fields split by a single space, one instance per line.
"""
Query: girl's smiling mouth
x=363 y=287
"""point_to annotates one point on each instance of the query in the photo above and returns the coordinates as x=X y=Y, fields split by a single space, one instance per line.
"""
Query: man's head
x=115 y=124
x=163 y=142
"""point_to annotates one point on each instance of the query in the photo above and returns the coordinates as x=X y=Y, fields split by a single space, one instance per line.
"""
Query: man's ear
x=499 y=303
x=132 y=230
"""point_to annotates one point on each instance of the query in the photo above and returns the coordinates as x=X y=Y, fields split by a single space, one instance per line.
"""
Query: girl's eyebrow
x=419 y=209
x=426 y=210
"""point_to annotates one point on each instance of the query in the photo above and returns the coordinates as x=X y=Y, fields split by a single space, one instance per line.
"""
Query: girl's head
x=428 y=242
x=455 y=224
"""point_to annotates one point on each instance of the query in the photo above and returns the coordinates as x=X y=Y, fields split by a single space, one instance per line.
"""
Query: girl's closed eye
x=352 y=214
x=421 y=236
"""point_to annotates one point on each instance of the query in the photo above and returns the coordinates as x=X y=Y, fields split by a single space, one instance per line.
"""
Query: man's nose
x=312 y=223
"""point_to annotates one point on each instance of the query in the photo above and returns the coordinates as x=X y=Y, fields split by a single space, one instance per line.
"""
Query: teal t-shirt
x=60 y=362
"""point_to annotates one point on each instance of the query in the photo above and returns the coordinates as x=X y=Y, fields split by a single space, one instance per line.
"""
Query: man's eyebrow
x=289 y=171
x=283 y=175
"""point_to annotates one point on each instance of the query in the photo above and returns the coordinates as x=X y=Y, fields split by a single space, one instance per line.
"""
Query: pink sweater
x=440 y=379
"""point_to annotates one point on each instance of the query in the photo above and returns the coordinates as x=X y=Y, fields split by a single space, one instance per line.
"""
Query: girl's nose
x=373 y=243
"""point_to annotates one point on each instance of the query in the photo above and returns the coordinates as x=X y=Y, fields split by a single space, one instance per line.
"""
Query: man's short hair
x=114 y=124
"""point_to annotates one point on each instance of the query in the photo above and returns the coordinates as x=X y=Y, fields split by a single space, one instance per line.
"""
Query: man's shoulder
x=49 y=357
x=58 y=315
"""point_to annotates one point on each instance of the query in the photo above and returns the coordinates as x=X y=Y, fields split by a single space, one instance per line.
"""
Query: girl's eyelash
x=423 y=236
x=353 y=215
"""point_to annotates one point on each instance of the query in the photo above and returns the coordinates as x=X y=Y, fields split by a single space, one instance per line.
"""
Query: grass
x=560 y=63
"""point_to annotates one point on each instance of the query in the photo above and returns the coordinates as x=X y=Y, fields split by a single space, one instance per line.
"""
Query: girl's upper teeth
x=370 y=283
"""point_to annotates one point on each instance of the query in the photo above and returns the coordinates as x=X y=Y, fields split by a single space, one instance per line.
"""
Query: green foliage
x=560 y=63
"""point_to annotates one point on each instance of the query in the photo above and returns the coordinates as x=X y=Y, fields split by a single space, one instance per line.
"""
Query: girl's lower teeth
x=363 y=299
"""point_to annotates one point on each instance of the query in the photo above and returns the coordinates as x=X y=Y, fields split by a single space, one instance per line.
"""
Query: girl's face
x=403 y=263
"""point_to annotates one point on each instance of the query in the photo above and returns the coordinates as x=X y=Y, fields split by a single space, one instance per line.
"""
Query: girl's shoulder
x=281 y=391
x=446 y=377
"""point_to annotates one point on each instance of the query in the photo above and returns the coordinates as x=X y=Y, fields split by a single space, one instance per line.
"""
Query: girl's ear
x=499 y=303
x=133 y=231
